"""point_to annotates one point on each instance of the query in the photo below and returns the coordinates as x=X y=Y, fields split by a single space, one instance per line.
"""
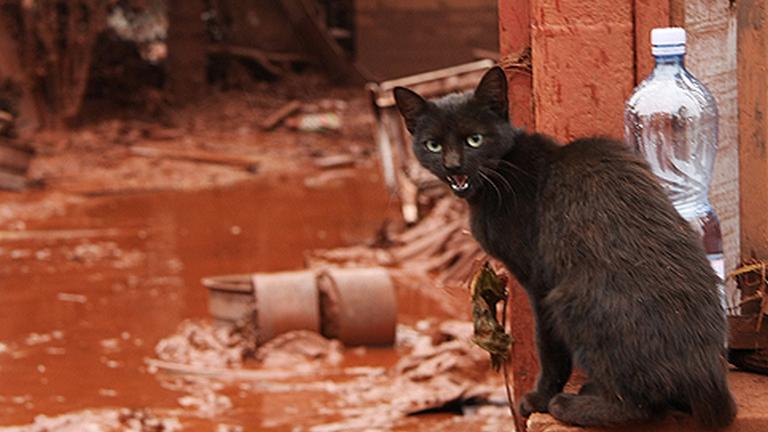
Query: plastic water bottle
x=671 y=119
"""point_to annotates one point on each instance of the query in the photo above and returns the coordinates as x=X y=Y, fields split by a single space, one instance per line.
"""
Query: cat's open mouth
x=458 y=183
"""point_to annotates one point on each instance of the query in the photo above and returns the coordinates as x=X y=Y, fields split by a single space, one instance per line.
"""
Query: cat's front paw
x=532 y=402
x=560 y=406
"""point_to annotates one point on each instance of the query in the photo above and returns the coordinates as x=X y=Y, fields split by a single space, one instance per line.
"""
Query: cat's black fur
x=619 y=283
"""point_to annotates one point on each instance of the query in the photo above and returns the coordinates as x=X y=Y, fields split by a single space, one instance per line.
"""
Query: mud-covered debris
x=143 y=420
x=297 y=347
x=207 y=402
x=101 y=420
x=202 y=344
x=440 y=244
x=452 y=355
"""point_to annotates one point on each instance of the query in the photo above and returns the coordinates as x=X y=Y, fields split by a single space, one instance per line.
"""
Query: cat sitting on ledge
x=618 y=282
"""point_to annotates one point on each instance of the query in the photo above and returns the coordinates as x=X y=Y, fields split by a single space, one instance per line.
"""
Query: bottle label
x=717 y=261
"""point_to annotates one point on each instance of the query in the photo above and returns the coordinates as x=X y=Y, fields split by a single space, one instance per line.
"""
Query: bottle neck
x=669 y=64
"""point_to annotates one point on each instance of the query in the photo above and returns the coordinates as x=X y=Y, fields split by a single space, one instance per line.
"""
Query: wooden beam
x=515 y=50
x=753 y=130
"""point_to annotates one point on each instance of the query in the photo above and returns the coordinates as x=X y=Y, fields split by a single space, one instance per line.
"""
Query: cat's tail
x=713 y=406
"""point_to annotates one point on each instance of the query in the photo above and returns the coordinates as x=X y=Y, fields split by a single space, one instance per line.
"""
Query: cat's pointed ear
x=410 y=105
x=492 y=92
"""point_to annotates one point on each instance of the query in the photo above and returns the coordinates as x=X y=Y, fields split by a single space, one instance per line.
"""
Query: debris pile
x=440 y=245
x=201 y=344
x=438 y=370
x=101 y=420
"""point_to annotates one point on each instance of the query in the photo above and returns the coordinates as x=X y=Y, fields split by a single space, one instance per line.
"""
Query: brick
x=582 y=74
x=583 y=66
x=649 y=14
x=569 y=12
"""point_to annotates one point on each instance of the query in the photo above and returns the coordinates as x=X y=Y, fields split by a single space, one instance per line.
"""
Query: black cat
x=619 y=283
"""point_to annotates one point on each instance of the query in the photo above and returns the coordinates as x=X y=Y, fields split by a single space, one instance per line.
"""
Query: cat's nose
x=451 y=159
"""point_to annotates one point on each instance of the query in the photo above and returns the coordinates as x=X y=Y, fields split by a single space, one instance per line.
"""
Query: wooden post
x=515 y=50
x=515 y=38
x=753 y=129
x=11 y=68
x=186 y=50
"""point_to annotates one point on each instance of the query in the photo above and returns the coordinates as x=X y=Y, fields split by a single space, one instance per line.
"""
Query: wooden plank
x=248 y=162
x=13 y=182
x=275 y=118
x=15 y=159
x=744 y=334
x=514 y=44
x=515 y=39
x=433 y=83
x=753 y=130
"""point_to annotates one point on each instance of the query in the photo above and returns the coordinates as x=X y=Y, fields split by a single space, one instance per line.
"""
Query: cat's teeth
x=458 y=182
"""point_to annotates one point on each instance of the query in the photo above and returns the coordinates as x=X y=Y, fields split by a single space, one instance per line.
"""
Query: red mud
x=105 y=262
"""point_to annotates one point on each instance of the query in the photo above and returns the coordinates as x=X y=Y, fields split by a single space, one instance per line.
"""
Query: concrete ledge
x=750 y=391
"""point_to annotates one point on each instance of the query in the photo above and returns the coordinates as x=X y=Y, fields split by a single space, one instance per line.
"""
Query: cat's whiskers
x=501 y=177
x=488 y=179
x=516 y=168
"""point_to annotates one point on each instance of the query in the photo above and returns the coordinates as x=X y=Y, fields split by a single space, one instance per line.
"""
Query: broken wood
x=440 y=245
x=748 y=360
x=316 y=37
x=12 y=182
x=336 y=161
x=195 y=155
x=427 y=245
x=281 y=114
x=264 y=58
x=6 y=121
x=744 y=333
x=15 y=157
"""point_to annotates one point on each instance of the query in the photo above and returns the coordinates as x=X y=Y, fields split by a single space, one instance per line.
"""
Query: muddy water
x=87 y=292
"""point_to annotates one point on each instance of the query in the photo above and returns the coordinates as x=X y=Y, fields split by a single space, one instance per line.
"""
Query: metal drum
x=285 y=302
x=358 y=306
x=230 y=298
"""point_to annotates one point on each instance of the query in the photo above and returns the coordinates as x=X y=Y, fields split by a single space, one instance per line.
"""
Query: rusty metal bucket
x=358 y=306
x=230 y=297
x=284 y=302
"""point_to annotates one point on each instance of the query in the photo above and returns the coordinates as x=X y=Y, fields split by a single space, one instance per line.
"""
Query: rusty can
x=358 y=305
x=284 y=302
x=230 y=297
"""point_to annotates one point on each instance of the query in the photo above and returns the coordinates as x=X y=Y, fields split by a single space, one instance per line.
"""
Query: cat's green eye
x=433 y=146
x=475 y=140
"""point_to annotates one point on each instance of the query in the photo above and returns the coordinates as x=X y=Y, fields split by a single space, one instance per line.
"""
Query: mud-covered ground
x=104 y=324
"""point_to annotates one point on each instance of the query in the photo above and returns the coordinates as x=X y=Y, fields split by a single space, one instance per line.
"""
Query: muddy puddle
x=90 y=285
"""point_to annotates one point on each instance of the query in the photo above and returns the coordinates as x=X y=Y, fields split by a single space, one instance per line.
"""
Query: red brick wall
x=583 y=66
